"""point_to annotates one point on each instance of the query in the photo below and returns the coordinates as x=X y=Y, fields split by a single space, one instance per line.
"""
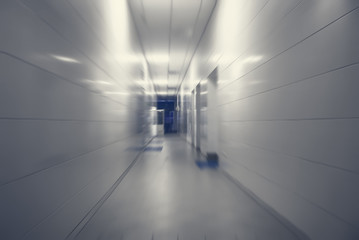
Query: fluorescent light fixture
x=150 y=57
x=203 y=82
x=116 y=93
x=141 y=81
x=161 y=82
x=99 y=82
x=253 y=59
x=158 y=57
x=117 y=29
x=103 y=82
x=65 y=59
x=203 y=93
x=157 y=93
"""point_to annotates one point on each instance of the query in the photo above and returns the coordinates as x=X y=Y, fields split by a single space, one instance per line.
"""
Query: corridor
x=179 y=119
x=166 y=195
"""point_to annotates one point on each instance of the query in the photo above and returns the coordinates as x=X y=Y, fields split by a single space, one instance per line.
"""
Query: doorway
x=167 y=104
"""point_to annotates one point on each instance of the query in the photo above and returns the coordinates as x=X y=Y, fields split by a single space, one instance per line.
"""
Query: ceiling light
x=99 y=82
x=157 y=93
x=161 y=82
x=252 y=59
x=158 y=58
x=116 y=93
x=65 y=59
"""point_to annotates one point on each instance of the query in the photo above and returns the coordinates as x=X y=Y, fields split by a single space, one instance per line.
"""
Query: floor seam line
x=92 y=212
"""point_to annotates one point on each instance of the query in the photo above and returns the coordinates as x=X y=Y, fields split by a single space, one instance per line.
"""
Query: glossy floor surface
x=165 y=195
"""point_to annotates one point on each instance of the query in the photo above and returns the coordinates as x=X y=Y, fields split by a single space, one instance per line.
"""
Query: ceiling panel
x=169 y=32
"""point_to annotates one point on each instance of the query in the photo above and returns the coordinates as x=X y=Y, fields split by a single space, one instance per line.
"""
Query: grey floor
x=166 y=195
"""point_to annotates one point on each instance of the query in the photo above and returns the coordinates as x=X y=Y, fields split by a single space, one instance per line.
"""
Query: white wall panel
x=57 y=186
x=318 y=224
x=327 y=186
x=288 y=107
x=56 y=142
x=306 y=60
x=65 y=138
x=29 y=92
x=307 y=20
x=302 y=100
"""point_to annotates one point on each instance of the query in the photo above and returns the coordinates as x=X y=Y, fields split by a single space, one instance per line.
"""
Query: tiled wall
x=68 y=114
x=288 y=107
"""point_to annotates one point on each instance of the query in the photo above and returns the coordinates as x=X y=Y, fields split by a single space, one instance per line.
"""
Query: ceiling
x=169 y=32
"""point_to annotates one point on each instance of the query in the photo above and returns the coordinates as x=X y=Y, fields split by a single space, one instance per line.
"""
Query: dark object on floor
x=153 y=149
x=208 y=164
